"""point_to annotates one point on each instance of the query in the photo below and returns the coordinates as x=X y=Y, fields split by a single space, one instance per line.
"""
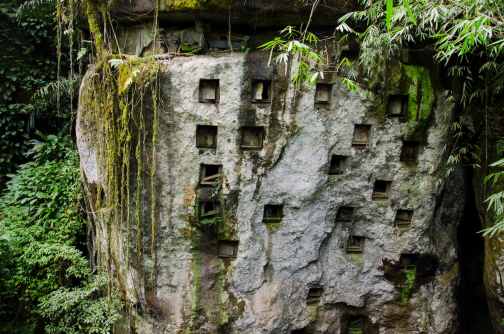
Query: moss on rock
x=421 y=99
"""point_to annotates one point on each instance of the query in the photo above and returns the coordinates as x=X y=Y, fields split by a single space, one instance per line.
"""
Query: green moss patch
x=421 y=99
x=408 y=285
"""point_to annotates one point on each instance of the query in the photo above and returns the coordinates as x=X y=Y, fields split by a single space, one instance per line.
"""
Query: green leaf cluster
x=42 y=233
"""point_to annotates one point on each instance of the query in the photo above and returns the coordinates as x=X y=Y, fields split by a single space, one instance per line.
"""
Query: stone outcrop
x=280 y=210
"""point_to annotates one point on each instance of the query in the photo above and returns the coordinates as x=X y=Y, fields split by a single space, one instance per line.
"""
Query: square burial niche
x=252 y=138
x=397 y=105
x=403 y=219
x=209 y=91
x=406 y=56
x=299 y=331
x=314 y=295
x=338 y=165
x=355 y=325
x=409 y=152
x=353 y=58
x=344 y=214
x=206 y=136
x=361 y=136
x=407 y=262
x=210 y=175
x=228 y=249
x=261 y=91
x=323 y=95
x=210 y=209
x=355 y=245
x=272 y=213
x=381 y=190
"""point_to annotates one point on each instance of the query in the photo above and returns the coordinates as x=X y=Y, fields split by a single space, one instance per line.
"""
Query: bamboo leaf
x=390 y=9
x=410 y=13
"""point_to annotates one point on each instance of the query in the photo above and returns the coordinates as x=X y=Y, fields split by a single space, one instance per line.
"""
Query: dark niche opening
x=314 y=295
x=381 y=190
x=323 y=95
x=261 y=91
x=210 y=175
x=362 y=133
x=209 y=209
x=338 y=165
x=403 y=219
x=406 y=56
x=354 y=245
x=299 y=331
x=273 y=213
x=350 y=59
x=408 y=261
x=209 y=91
x=228 y=249
x=397 y=105
x=355 y=324
x=409 y=152
x=252 y=138
x=206 y=136
x=345 y=214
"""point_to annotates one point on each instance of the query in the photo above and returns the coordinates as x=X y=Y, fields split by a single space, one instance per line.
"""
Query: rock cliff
x=278 y=210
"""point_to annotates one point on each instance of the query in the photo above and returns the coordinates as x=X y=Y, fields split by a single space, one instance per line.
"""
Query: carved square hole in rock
x=323 y=95
x=403 y=219
x=355 y=245
x=252 y=137
x=361 y=136
x=338 y=165
x=228 y=248
x=345 y=214
x=206 y=136
x=210 y=209
x=261 y=91
x=397 y=105
x=409 y=152
x=210 y=175
x=272 y=213
x=355 y=325
x=350 y=59
x=381 y=190
x=408 y=261
x=406 y=56
x=314 y=295
x=299 y=331
x=209 y=91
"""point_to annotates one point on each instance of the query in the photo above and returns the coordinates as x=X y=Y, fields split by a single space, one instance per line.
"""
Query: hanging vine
x=115 y=102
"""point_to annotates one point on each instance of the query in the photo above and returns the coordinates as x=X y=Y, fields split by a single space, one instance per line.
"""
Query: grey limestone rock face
x=299 y=273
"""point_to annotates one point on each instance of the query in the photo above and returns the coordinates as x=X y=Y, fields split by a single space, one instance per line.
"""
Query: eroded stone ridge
x=285 y=211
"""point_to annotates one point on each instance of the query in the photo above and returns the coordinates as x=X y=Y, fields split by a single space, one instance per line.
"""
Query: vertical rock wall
x=265 y=289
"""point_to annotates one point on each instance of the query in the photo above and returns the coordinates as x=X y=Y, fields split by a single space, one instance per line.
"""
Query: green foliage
x=42 y=229
x=12 y=136
x=41 y=226
x=423 y=321
x=408 y=285
x=210 y=221
x=495 y=201
x=460 y=30
x=51 y=148
x=293 y=46
x=81 y=310
x=28 y=62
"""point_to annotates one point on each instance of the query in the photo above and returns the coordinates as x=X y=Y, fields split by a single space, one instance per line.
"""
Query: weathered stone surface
x=264 y=290
x=255 y=13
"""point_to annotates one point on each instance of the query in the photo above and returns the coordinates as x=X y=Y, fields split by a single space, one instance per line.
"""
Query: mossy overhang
x=421 y=100
x=255 y=13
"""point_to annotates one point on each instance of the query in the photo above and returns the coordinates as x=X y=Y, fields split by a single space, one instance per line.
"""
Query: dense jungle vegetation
x=47 y=281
